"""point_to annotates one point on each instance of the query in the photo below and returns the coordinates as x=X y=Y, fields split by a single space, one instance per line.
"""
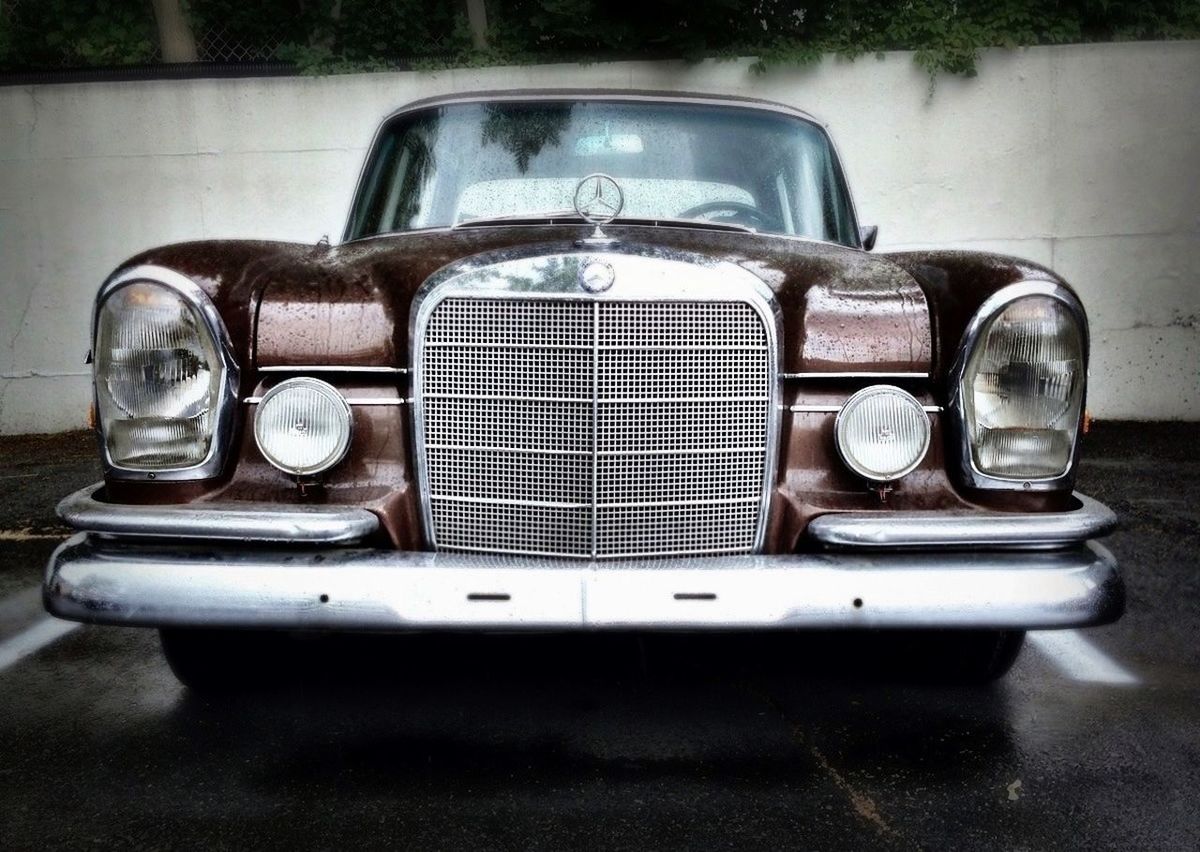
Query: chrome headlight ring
x=228 y=385
x=980 y=324
x=882 y=433
x=303 y=426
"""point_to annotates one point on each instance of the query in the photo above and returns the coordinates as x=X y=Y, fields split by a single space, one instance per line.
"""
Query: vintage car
x=587 y=361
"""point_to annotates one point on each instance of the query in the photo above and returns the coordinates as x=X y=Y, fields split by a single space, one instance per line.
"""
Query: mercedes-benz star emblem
x=598 y=199
x=596 y=277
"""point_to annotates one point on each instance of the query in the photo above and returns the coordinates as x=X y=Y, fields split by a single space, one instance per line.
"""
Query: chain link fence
x=73 y=34
x=217 y=43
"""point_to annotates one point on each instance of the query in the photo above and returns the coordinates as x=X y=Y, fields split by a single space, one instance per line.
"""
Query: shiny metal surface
x=103 y=582
x=230 y=376
x=267 y=522
x=842 y=441
x=805 y=408
x=297 y=421
x=635 y=421
x=350 y=400
x=867 y=374
x=886 y=529
x=965 y=458
x=331 y=368
x=598 y=200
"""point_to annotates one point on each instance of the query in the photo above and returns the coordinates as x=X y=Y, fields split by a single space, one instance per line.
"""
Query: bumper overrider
x=271 y=566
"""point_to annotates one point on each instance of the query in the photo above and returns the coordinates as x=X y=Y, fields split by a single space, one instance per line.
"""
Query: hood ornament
x=598 y=200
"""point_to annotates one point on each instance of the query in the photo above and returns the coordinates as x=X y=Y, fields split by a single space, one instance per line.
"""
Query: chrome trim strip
x=565 y=347
x=333 y=368
x=964 y=458
x=834 y=409
x=350 y=400
x=888 y=529
x=223 y=429
x=642 y=274
x=595 y=420
x=853 y=375
x=588 y=399
x=495 y=449
x=363 y=589
x=601 y=453
x=594 y=504
x=274 y=522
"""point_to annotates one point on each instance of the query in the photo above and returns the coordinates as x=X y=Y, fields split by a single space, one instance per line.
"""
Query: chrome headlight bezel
x=345 y=432
x=228 y=384
x=969 y=472
x=902 y=399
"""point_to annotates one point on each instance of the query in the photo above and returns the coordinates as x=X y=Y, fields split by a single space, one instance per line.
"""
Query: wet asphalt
x=614 y=741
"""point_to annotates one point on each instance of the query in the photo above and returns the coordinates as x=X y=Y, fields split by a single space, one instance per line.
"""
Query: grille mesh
x=592 y=428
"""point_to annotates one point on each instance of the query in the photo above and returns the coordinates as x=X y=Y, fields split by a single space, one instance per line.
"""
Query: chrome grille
x=585 y=428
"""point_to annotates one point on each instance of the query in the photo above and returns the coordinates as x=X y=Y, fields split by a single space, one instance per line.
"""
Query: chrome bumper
x=1087 y=519
x=195 y=584
x=271 y=522
x=333 y=524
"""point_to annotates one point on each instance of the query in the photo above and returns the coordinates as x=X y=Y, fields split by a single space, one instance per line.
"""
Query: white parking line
x=1077 y=658
x=33 y=639
x=21 y=608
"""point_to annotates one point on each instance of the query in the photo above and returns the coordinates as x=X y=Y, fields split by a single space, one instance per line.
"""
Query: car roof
x=618 y=95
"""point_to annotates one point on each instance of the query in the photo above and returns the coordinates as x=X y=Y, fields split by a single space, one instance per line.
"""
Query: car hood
x=841 y=309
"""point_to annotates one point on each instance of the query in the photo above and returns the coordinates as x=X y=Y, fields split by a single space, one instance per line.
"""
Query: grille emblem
x=596 y=277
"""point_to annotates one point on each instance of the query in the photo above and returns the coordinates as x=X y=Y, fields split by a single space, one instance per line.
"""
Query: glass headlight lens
x=302 y=426
x=158 y=378
x=1023 y=389
x=882 y=433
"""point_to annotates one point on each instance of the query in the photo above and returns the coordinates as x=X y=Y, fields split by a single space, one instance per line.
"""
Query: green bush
x=72 y=33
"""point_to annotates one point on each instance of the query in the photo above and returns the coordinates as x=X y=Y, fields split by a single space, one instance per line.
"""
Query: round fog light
x=302 y=426
x=882 y=433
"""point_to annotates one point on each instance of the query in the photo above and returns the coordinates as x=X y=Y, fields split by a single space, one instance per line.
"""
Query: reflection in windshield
x=722 y=165
x=525 y=132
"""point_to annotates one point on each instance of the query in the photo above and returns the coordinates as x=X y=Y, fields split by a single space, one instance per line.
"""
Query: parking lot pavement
x=617 y=741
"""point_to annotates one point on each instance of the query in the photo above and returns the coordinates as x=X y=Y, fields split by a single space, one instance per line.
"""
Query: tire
x=207 y=660
x=972 y=656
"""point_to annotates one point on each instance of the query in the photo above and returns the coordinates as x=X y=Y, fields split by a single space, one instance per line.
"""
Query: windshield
x=478 y=163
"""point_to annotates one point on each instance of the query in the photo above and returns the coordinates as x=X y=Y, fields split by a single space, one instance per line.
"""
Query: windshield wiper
x=667 y=221
x=554 y=216
x=511 y=218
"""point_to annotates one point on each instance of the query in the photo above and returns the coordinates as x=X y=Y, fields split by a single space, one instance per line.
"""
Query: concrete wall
x=1086 y=158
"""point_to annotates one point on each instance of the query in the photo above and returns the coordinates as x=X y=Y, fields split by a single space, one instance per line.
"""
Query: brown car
x=588 y=361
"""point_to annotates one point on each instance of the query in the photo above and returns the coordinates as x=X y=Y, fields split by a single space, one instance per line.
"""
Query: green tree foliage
x=946 y=35
x=323 y=36
x=58 y=33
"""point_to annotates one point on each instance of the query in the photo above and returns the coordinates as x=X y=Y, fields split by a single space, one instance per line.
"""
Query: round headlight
x=302 y=426
x=882 y=433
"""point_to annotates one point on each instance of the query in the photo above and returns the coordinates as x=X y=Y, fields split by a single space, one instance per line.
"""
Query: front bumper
x=274 y=566
x=194 y=584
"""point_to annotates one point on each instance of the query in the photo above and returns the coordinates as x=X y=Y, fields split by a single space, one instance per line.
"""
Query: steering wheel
x=759 y=219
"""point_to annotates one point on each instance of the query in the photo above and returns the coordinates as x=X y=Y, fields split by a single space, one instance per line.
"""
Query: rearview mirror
x=615 y=143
